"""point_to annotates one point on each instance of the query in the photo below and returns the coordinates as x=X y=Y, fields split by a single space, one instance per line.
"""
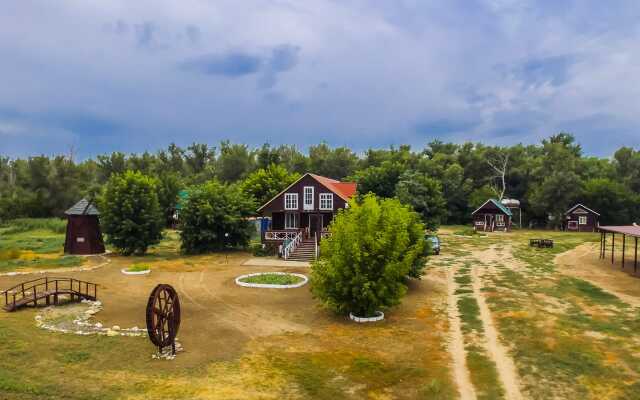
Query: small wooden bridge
x=47 y=289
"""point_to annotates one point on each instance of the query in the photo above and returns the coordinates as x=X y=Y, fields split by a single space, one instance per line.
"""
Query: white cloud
x=365 y=73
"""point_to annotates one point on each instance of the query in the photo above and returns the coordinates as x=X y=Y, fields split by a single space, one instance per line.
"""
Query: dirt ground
x=268 y=331
x=583 y=262
x=218 y=317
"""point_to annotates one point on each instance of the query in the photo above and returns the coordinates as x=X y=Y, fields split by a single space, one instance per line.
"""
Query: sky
x=95 y=76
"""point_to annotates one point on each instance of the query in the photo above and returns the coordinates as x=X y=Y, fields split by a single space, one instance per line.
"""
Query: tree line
x=443 y=182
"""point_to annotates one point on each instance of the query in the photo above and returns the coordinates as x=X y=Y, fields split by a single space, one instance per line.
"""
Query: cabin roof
x=569 y=211
x=497 y=204
x=83 y=207
x=345 y=190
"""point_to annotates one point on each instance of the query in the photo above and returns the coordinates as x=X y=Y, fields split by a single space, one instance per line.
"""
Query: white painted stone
x=378 y=317
x=124 y=271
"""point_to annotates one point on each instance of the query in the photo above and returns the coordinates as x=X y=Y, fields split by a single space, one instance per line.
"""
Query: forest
x=443 y=181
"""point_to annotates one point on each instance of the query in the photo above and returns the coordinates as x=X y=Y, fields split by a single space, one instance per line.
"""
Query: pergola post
x=613 y=245
x=635 y=256
x=624 y=246
x=604 y=244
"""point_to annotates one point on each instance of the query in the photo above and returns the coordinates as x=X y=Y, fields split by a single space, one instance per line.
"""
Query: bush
x=260 y=250
x=214 y=217
x=375 y=245
x=130 y=213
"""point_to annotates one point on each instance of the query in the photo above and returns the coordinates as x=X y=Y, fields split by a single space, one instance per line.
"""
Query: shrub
x=375 y=245
x=260 y=250
x=214 y=217
x=130 y=213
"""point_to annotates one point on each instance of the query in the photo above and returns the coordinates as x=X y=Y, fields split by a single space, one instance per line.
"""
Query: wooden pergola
x=632 y=231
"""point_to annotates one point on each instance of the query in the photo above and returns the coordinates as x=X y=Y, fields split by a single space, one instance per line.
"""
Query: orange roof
x=346 y=190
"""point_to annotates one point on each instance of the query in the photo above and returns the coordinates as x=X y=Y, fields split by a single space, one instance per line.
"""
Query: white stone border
x=378 y=317
x=146 y=272
x=271 y=285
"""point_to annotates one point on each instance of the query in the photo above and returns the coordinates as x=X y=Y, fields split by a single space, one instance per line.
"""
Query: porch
x=287 y=225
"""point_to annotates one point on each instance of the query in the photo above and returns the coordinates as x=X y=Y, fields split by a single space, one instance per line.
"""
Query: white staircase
x=305 y=251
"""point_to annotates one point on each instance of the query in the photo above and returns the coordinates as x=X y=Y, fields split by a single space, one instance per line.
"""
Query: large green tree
x=424 y=194
x=265 y=183
x=130 y=213
x=374 y=246
x=214 y=217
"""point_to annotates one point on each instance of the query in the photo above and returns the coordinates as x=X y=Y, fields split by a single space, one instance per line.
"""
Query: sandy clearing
x=583 y=262
x=497 y=352
x=456 y=342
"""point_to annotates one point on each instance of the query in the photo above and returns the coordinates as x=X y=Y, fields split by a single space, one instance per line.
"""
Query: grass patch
x=19 y=225
x=138 y=268
x=484 y=375
x=273 y=279
x=469 y=314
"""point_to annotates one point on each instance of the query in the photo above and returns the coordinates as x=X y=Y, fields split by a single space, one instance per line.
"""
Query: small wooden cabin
x=580 y=218
x=492 y=216
x=83 y=229
x=307 y=205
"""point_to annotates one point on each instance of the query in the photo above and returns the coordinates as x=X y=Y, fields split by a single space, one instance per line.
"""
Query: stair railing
x=315 y=243
x=291 y=246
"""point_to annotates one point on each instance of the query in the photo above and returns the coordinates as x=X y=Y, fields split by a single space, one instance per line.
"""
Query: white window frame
x=582 y=220
x=305 y=191
x=324 y=198
x=291 y=221
x=291 y=201
x=500 y=220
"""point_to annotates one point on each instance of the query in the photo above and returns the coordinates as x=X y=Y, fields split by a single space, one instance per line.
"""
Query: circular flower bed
x=136 y=269
x=378 y=317
x=272 y=280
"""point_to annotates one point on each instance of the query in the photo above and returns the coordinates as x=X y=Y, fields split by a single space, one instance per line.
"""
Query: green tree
x=234 y=162
x=214 y=217
x=363 y=267
x=479 y=196
x=265 y=183
x=169 y=185
x=380 y=180
x=615 y=202
x=130 y=212
x=424 y=194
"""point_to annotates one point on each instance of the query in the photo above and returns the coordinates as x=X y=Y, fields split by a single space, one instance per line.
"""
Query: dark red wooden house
x=580 y=218
x=303 y=211
x=492 y=216
x=83 y=229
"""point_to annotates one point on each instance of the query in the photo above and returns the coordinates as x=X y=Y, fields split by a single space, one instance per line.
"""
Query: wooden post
x=604 y=245
x=613 y=245
x=635 y=256
x=624 y=246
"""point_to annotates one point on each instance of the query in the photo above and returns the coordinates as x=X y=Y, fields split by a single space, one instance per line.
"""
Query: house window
x=291 y=201
x=326 y=201
x=308 y=197
x=582 y=220
x=291 y=221
x=499 y=220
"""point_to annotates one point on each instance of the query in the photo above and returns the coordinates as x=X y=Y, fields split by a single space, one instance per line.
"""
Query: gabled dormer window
x=308 y=198
x=291 y=201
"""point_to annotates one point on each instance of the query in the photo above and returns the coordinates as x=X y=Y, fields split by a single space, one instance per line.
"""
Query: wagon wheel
x=163 y=316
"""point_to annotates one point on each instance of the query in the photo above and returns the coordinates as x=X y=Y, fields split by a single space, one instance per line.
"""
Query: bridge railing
x=48 y=286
